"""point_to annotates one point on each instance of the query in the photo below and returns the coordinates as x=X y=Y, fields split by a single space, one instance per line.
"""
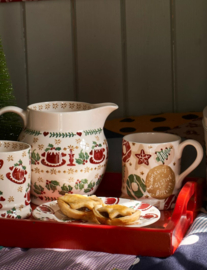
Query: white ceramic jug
x=69 y=151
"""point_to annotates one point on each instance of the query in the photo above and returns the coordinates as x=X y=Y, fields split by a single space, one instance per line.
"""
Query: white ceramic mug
x=151 y=165
x=15 y=179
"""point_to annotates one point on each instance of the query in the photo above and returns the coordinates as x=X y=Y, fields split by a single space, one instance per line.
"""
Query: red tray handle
x=184 y=213
x=186 y=204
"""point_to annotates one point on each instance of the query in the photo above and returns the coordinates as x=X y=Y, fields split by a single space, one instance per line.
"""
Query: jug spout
x=106 y=107
x=103 y=110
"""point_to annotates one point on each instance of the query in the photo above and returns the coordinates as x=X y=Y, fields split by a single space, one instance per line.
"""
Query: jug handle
x=16 y=110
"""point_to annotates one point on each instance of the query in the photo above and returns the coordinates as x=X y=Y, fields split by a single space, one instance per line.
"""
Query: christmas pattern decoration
x=62 y=134
x=135 y=186
x=160 y=182
x=52 y=185
x=15 y=180
x=1 y=163
x=38 y=189
x=53 y=156
x=92 y=131
x=126 y=151
x=11 y=214
x=32 y=132
x=85 y=185
x=111 y=200
x=35 y=157
x=27 y=195
x=18 y=172
x=2 y=199
x=143 y=158
x=80 y=185
x=71 y=158
x=99 y=179
x=97 y=153
x=144 y=206
x=163 y=154
x=83 y=158
x=66 y=189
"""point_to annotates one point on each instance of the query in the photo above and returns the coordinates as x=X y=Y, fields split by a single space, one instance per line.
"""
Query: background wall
x=147 y=56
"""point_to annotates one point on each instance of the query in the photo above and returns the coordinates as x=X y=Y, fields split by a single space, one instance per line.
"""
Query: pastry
x=77 y=206
x=116 y=214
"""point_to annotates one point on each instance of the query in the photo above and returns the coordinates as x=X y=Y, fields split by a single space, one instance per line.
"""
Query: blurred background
x=148 y=56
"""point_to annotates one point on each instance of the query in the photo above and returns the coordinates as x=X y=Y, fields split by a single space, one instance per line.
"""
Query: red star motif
x=143 y=158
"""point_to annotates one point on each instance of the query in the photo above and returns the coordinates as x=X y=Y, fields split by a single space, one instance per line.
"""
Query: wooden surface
x=147 y=56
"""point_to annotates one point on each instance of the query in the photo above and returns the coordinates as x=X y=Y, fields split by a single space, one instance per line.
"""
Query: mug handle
x=16 y=110
x=196 y=162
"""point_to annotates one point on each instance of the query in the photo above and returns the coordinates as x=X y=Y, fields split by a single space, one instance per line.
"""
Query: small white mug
x=151 y=165
x=15 y=179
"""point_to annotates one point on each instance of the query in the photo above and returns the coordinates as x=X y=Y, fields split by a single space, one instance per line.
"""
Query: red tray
x=159 y=239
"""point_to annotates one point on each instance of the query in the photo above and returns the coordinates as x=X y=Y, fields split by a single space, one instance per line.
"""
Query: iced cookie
x=160 y=182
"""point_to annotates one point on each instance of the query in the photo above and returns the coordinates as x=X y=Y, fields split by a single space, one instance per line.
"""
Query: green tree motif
x=11 y=124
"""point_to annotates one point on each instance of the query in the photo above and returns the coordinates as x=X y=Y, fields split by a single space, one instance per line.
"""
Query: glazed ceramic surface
x=69 y=151
x=151 y=167
x=15 y=179
x=51 y=211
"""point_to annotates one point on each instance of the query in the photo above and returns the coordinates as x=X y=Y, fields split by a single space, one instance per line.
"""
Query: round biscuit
x=160 y=182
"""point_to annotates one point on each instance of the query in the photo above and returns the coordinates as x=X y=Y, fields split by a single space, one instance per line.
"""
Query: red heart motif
x=2 y=199
x=45 y=133
x=79 y=133
x=144 y=206
x=3 y=215
x=150 y=215
x=1 y=163
x=63 y=154
x=110 y=200
x=11 y=168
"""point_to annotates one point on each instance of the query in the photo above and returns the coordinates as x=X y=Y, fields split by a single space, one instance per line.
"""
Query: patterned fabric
x=199 y=225
x=52 y=259
x=191 y=253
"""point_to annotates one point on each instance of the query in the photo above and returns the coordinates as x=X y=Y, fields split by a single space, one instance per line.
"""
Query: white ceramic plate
x=51 y=211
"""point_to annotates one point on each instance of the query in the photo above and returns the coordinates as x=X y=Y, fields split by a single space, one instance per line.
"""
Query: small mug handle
x=16 y=110
x=196 y=162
